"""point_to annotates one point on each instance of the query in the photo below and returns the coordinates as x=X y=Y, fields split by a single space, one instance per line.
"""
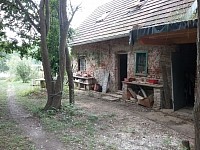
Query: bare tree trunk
x=45 y=55
x=54 y=90
x=197 y=99
x=62 y=57
x=70 y=77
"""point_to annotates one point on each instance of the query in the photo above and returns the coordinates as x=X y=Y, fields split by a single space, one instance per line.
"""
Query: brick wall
x=101 y=57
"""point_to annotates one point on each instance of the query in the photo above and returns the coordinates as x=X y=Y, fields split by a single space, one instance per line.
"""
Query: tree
x=23 y=70
x=26 y=12
x=197 y=100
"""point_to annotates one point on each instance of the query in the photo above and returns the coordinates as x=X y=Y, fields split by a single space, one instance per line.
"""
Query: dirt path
x=137 y=128
x=31 y=126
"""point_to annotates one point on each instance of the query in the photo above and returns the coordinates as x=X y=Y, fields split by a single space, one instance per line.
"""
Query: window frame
x=79 y=63
x=136 y=63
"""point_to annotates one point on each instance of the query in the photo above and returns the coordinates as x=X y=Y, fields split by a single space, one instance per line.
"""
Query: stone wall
x=101 y=57
x=156 y=56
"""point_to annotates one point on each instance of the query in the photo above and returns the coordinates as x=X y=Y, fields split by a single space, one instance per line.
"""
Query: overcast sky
x=87 y=7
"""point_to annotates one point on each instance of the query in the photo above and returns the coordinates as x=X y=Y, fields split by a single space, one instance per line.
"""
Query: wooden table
x=157 y=91
x=42 y=82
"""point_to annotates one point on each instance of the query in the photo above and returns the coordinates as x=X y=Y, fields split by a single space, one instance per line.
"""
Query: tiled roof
x=124 y=16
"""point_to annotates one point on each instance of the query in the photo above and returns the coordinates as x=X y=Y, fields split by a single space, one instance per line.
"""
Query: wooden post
x=167 y=99
x=197 y=99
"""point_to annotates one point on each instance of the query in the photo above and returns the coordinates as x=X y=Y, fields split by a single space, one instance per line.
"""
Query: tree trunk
x=45 y=55
x=70 y=77
x=197 y=99
x=62 y=57
x=54 y=90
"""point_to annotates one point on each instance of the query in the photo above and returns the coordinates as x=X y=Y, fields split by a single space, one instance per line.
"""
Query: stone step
x=114 y=95
x=110 y=98
x=119 y=92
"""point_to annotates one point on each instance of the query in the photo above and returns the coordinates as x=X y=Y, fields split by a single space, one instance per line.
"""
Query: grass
x=10 y=135
x=71 y=125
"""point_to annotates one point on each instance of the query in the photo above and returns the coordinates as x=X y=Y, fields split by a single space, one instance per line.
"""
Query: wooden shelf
x=86 y=78
x=84 y=82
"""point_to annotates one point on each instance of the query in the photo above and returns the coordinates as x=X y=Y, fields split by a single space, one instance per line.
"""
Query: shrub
x=23 y=71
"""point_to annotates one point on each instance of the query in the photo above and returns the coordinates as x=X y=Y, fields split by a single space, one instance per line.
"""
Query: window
x=103 y=17
x=136 y=6
x=133 y=10
x=82 y=63
x=141 y=63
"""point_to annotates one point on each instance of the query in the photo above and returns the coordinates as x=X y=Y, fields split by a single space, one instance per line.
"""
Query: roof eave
x=98 y=40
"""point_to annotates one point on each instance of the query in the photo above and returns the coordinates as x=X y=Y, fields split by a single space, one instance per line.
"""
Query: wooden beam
x=179 y=33
x=184 y=40
x=177 y=37
x=149 y=41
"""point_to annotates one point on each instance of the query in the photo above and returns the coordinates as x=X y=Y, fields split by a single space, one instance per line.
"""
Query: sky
x=87 y=7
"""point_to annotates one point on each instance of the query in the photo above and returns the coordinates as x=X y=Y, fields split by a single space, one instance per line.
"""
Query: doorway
x=122 y=60
x=183 y=76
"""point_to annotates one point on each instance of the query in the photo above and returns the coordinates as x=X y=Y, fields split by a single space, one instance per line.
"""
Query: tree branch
x=73 y=11
x=28 y=15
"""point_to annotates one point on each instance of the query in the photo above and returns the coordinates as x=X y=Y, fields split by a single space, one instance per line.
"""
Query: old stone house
x=142 y=40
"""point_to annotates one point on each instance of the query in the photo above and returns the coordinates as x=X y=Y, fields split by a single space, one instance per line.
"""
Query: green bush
x=24 y=71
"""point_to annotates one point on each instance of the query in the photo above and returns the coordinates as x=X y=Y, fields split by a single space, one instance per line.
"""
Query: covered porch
x=179 y=88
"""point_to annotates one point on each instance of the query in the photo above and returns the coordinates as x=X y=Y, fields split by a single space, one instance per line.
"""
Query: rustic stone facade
x=101 y=57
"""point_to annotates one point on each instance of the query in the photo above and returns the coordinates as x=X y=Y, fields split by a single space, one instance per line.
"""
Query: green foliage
x=24 y=71
x=27 y=43
x=19 y=19
x=18 y=22
x=12 y=64
x=53 y=37
x=3 y=65
x=30 y=92
x=22 y=68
